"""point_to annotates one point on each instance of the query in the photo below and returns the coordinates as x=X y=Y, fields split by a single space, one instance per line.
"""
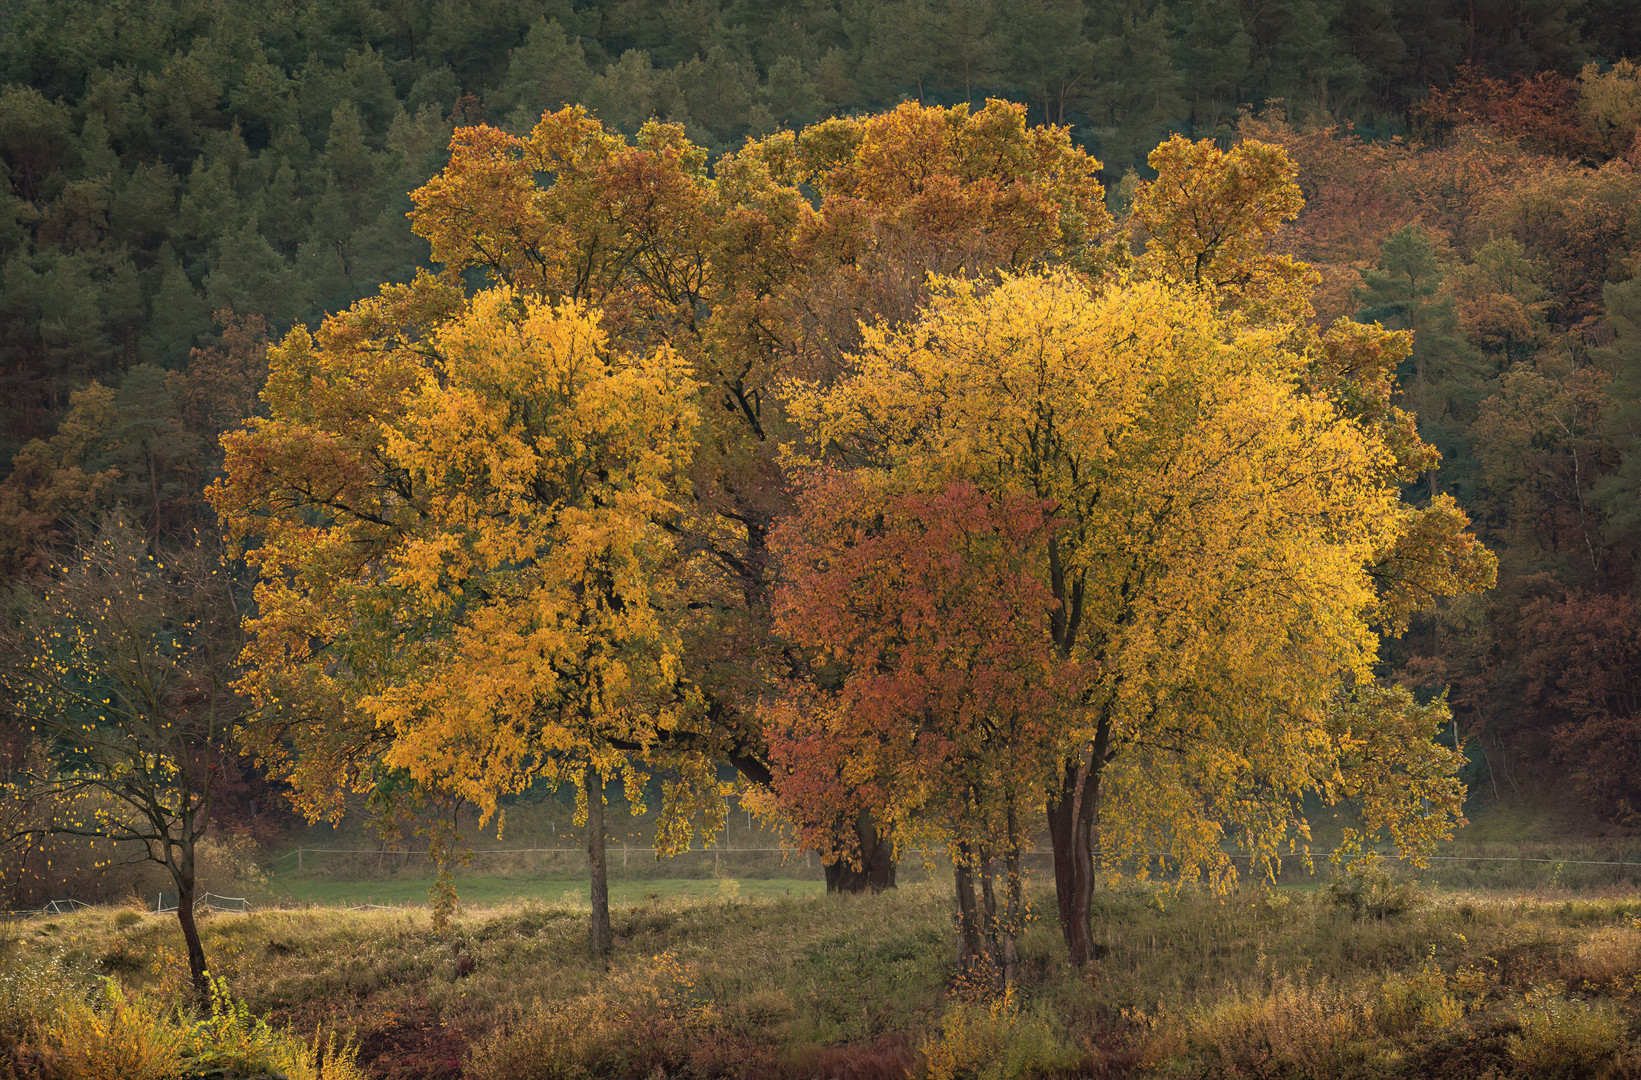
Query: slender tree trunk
x=1071 y=830
x=988 y=907
x=972 y=956
x=182 y=874
x=602 y=940
x=1014 y=900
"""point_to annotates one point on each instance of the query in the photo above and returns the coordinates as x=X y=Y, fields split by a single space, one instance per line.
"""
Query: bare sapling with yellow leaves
x=123 y=667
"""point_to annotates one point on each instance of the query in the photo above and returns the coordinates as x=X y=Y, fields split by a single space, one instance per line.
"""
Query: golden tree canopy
x=478 y=577
x=1220 y=525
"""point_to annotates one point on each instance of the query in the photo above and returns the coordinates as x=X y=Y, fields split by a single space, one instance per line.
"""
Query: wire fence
x=1570 y=871
x=1528 y=867
x=166 y=903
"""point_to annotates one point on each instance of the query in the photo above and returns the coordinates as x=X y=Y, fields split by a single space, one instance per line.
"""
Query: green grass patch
x=564 y=891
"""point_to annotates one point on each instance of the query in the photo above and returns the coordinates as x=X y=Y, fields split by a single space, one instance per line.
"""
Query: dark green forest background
x=182 y=179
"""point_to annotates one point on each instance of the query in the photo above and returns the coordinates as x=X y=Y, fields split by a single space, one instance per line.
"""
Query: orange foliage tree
x=1229 y=481
x=939 y=696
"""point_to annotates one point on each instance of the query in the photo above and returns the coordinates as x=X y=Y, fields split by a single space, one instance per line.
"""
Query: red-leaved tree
x=935 y=698
x=1583 y=666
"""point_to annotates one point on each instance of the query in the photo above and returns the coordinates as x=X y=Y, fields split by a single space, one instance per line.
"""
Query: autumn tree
x=1582 y=656
x=759 y=269
x=1210 y=217
x=457 y=509
x=123 y=667
x=938 y=697
x=1214 y=573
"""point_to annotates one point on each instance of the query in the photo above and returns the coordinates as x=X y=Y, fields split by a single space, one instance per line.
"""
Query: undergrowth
x=1368 y=981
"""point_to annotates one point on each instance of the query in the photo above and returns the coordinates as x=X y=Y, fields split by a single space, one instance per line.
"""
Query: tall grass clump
x=995 y=1040
x=640 y=1020
x=1565 y=1039
x=109 y=1034
x=1295 y=1027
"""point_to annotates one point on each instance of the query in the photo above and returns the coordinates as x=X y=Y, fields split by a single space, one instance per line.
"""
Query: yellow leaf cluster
x=1220 y=522
x=496 y=566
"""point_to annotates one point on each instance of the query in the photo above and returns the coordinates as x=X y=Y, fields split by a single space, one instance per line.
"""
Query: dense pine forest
x=187 y=180
x=1214 y=425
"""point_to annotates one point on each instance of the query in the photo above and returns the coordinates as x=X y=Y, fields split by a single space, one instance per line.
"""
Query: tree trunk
x=876 y=871
x=1014 y=900
x=988 y=908
x=182 y=874
x=972 y=955
x=1073 y=860
x=602 y=940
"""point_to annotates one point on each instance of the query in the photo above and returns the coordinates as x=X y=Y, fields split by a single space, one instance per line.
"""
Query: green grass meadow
x=559 y=891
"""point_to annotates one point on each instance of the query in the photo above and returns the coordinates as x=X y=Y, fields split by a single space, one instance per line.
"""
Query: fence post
x=623 y=853
x=299 y=860
x=717 y=850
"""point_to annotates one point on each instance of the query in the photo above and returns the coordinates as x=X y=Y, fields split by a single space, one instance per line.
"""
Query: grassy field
x=558 y=891
x=1372 y=979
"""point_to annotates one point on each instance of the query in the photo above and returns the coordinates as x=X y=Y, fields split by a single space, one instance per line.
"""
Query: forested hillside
x=186 y=181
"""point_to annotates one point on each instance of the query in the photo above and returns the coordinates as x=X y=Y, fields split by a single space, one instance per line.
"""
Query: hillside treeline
x=185 y=180
x=167 y=160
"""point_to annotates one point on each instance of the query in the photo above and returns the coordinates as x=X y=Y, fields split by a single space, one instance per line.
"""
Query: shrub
x=1292 y=1029
x=1365 y=889
x=114 y=1038
x=1565 y=1039
x=994 y=1040
x=111 y=1036
x=1417 y=1000
x=227 y=866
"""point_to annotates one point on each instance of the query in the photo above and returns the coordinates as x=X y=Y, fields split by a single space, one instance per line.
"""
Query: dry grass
x=1261 y=984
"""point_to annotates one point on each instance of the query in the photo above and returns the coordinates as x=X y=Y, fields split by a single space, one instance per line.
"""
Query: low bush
x=56 y=1032
x=1293 y=1028
x=1565 y=1039
x=1420 y=1000
x=995 y=1040
x=1367 y=890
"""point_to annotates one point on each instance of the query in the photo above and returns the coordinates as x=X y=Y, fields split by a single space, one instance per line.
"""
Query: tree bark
x=601 y=938
x=182 y=874
x=876 y=871
x=1014 y=905
x=1071 y=837
x=972 y=956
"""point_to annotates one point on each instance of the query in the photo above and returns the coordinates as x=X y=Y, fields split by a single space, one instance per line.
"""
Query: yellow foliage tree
x=466 y=580
x=756 y=268
x=1222 y=519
